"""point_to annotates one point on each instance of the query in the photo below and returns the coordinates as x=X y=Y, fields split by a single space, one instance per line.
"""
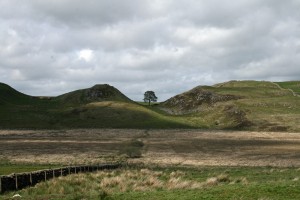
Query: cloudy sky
x=49 y=47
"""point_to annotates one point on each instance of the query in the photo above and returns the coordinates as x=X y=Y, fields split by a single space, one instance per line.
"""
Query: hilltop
x=240 y=105
x=100 y=92
x=11 y=96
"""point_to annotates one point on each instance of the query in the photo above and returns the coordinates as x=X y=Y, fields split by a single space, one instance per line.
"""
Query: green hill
x=104 y=106
x=96 y=93
x=18 y=110
x=294 y=86
x=195 y=100
x=101 y=106
x=8 y=95
x=240 y=105
x=253 y=105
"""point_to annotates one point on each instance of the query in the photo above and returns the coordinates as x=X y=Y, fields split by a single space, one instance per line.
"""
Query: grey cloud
x=77 y=13
x=166 y=46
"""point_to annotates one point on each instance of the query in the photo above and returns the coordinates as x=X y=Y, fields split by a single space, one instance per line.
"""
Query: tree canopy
x=149 y=96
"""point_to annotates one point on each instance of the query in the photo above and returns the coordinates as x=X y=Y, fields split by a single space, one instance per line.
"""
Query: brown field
x=176 y=147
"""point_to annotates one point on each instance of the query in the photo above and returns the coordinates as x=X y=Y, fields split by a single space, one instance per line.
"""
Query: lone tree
x=150 y=96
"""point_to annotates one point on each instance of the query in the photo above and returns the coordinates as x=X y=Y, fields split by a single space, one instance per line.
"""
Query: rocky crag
x=194 y=100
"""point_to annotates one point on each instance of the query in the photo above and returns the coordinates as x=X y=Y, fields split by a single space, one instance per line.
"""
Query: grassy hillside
x=18 y=110
x=243 y=105
x=115 y=114
x=8 y=95
x=291 y=85
x=266 y=105
x=259 y=105
x=101 y=106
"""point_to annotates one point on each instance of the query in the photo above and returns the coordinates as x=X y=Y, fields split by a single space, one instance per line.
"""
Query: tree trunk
x=149 y=102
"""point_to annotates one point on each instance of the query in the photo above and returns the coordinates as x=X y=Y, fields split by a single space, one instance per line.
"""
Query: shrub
x=136 y=143
x=133 y=148
x=131 y=152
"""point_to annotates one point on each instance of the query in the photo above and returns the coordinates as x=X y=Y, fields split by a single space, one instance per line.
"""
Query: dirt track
x=183 y=147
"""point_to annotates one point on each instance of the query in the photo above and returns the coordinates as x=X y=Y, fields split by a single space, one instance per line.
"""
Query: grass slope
x=115 y=114
x=18 y=110
x=11 y=96
x=101 y=106
x=267 y=106
x=262 y=106
x=291 y=85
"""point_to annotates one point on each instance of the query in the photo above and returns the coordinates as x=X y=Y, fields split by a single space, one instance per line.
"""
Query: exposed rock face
x=100 y=92
x=194 y=100
x=238 y=116
x=96 y=93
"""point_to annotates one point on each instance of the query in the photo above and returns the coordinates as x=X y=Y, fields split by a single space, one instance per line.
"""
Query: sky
x=50 y=47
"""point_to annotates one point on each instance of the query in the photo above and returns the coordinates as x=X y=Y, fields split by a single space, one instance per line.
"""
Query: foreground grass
x=173 y=183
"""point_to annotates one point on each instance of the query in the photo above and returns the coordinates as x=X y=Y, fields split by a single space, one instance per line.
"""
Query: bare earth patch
x=180 y=147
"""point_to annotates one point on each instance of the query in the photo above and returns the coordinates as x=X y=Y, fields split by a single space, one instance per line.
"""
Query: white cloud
x=16 y=75
x=86 y=55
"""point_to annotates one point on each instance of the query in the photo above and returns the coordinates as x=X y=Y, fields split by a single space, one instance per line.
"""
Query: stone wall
x=19 y=181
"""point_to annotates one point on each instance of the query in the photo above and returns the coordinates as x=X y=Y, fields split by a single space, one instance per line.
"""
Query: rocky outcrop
x=194 y=100
x=96 y=93
x=238 y=116
x=100 y=92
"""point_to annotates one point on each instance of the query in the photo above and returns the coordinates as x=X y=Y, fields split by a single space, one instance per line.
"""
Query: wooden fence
x=21 y=180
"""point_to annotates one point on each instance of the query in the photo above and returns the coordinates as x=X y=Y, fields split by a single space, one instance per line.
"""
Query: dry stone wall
x=19 y=181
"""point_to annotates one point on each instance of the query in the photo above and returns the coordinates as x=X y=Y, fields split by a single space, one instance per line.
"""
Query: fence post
x=30 y=177
x=0 y=184
x=75 y=169
x=16 y=177
x=69 y=170
x=53 y=173
x=61 y=172
x=45 y=175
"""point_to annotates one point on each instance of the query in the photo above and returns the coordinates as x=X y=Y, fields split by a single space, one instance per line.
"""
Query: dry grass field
x=163 y=147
